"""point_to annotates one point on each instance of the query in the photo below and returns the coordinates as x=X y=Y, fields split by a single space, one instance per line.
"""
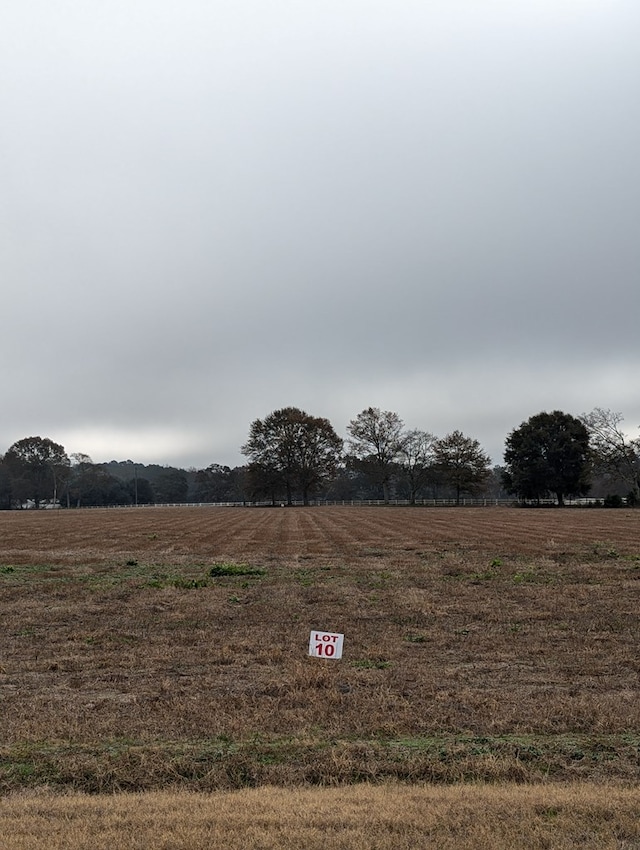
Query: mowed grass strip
x=168 y=534
x=388 y=817
x=148 y=647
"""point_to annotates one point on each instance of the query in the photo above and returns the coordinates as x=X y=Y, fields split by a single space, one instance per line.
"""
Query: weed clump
x=189 y=583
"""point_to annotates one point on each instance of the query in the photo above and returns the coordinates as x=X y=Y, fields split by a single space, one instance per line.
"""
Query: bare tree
x=375 y=444
x=612 y=449
x=416 y=459
x=81 y=472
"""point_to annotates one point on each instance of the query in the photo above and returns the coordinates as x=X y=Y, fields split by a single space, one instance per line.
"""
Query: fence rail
x=427 y=503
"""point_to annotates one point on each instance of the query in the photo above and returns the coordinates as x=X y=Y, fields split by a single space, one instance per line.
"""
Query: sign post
x=325 y=645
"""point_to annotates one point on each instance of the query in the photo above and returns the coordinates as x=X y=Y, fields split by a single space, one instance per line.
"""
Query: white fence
x=427 y=503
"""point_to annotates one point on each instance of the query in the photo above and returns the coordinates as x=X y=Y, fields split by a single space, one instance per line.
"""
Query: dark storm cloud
x=211 y=210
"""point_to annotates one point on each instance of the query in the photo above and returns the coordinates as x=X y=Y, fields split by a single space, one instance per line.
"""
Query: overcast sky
x=210 y=209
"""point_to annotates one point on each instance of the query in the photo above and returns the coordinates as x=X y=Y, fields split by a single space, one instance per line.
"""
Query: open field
x=481 y=645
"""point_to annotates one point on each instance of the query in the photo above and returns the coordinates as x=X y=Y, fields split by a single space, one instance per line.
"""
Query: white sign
x=325 y=645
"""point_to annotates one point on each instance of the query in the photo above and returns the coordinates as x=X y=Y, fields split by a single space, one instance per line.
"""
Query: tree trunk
x=385 y=491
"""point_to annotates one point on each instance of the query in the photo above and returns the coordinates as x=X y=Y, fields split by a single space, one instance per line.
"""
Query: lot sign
x=325 y=645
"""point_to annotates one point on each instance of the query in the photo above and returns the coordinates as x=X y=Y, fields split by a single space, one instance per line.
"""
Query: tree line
x=294 y=456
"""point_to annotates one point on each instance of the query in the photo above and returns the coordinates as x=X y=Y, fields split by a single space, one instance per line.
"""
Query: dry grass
x=357 y=818
x=489 y=644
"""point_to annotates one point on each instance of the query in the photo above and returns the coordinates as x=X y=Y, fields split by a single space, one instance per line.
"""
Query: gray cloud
x=211 y=210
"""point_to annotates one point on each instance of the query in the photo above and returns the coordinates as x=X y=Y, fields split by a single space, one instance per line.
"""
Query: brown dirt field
x=486 y=643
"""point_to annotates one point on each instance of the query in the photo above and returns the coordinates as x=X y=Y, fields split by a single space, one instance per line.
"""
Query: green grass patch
x=212 y=764
x=180 y=582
